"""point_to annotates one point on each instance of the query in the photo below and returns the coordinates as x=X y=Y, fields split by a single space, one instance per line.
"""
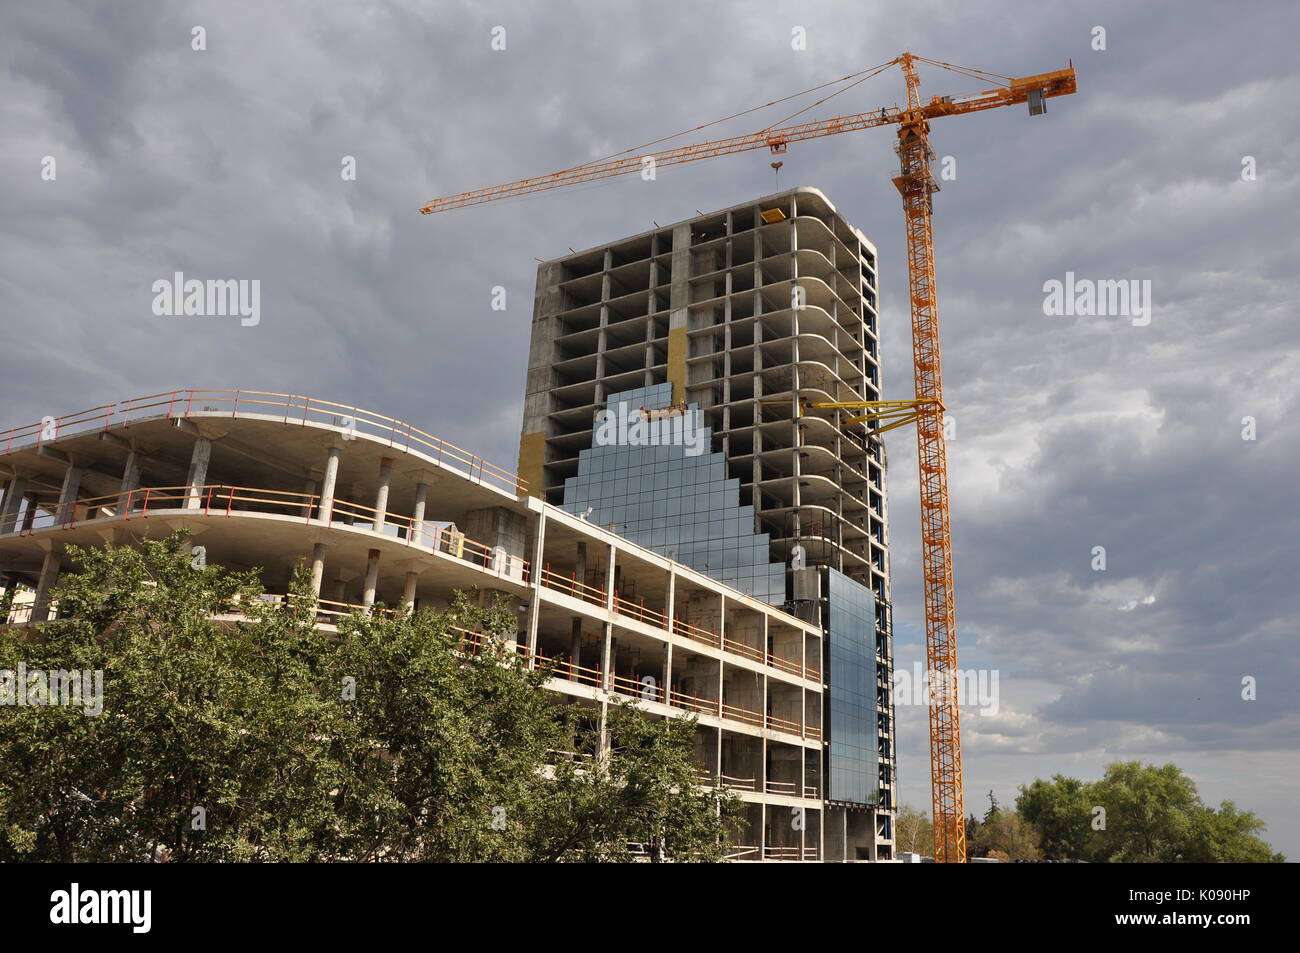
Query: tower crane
x=916 y=184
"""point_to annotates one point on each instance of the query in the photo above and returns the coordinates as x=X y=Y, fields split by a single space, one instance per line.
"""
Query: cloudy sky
x=1071 y=432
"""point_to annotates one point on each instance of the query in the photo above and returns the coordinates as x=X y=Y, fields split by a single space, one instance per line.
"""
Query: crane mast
x=916 y=184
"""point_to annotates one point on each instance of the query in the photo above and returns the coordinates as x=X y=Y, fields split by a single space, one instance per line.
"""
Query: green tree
x=1148 y=814
x=643 y=800
x=1008 y=836
x=234 y=729
x=913 y=831
x=1228 y=836
x=1062 y=812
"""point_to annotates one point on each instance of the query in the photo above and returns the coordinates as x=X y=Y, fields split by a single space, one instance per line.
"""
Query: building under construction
x=735 y=321
x=389 y=517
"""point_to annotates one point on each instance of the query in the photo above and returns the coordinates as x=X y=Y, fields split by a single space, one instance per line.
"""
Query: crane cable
x=872 y=71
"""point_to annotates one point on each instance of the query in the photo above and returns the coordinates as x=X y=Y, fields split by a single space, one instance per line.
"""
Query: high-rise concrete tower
x=749 y=315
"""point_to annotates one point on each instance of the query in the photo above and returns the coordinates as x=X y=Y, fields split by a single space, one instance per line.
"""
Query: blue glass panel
x=851 y=638
x=656 y=482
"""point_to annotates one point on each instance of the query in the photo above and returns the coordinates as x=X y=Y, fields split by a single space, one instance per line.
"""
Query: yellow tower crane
x=916 y=184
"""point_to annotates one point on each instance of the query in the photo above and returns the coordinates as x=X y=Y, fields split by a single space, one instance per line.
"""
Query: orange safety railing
x=744 y=784
x=742 y=714
x=790 y=853
x=636 y=688
x=637 y=610
x=289 y=408
x=710 y=706
x=565 y=668
x=682 y=627
x=572 y=586
x=223 y=499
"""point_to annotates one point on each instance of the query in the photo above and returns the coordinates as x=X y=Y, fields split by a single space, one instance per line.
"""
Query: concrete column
x=372 y=578
x=580 y=569
x=349 y=516
x=408 y=592
x=49 y=576
x=417 y=515
x=10 y=591
x=670 y=610
x=337 y=589
x=68 y=494
x=317 y=568
x=381 y=498
x=13 y=501
x=30 y=516
x=609 y=580
x=328 y=484
x=575 y=642
x=130 y=482
x=534 y=604
x=309 y=491
x=607 y=655
x=198 y=474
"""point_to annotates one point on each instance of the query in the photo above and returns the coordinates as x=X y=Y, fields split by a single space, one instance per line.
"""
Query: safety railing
x=708 y=706
x=682 y=627
x=743 y=648
x=649 y=691
x=566 y=668
x=638 y=610
x=742 y=784
x=226 y=500
x=289 y=408
x=571 y=585
x=748 y=716
x=790 y=853
x=19 y=614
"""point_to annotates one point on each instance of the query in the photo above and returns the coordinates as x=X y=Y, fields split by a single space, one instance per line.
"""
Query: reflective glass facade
x=851 y=635
x=652 y=478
